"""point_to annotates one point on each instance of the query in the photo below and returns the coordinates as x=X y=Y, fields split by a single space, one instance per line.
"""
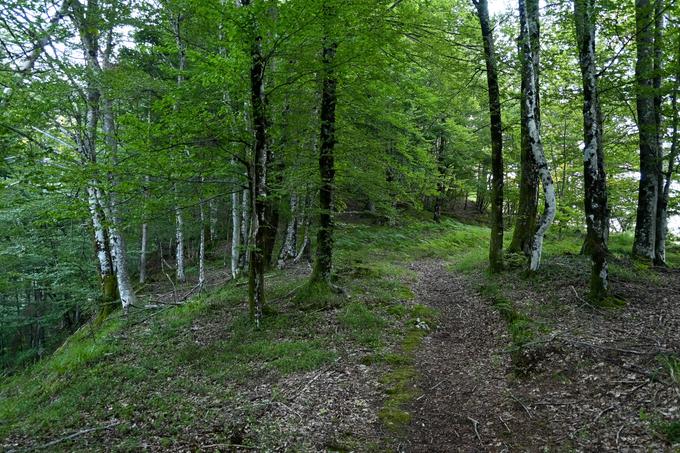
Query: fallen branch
x=71 y=436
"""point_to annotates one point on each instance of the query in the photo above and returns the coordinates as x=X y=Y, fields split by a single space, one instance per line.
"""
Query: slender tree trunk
x=256 y=290
x=534 y=137
x=662 y=207
x=179 y=237
x=235 y=230
x=87 y=145
x=245 y=229
x=441 y=186
x=201 y=246
x=645 y=226
x=661 y=221
x=527 y=211
x=125 y=290
x=496 y=242
x=289 y=246
x=143 y=252
x=596 y=203
x=324 y=253
x=179 y=215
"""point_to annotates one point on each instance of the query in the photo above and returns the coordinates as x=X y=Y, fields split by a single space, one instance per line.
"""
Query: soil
x=465 y=404
x=595 y=380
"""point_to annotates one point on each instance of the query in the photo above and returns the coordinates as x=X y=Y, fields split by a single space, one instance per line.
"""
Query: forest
x=339 y=225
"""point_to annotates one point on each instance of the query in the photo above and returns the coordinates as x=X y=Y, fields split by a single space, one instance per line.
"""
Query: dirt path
x=463 y=370
x=599 y=384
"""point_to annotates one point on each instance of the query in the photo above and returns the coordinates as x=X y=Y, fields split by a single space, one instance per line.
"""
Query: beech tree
x=596 y=201
x=496 y=241
x=527 y=210
x=530 y=98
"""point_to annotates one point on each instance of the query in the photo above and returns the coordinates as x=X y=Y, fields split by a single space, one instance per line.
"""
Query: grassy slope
x=164 y=381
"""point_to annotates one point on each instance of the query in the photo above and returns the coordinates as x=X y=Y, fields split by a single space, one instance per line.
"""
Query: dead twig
x=245 y=447
x=618 y=436
x=475 y=423
x=526 y=409
x=602 y=412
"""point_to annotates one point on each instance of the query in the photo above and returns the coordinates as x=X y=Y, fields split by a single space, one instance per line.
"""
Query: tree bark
x=201 y=245
x=179 y=215
x=527 y=211
x=324 y=253
x=534 y=137
x=256 y=290
x=235 y=229
x=596 y=203
x=645 y=226
x=661 y=221
x=441 y=186
x=662 y=207
x=496 y=242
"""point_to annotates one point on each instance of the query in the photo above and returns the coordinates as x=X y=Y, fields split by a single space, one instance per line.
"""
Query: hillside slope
x=352 y=373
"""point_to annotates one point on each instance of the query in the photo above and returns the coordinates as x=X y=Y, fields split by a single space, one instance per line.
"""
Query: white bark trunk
x=201 y=247
x=245 y=229
x=142 y=254
x=235 y=233
x=179 y=238
x=99 y=234
x=119 y=253
x=534 y=133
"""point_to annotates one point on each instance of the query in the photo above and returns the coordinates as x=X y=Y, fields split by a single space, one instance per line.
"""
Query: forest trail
x=463 y=369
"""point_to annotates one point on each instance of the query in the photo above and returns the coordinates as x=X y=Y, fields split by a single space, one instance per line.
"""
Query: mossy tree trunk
x=527 y=210
x=533 y=125
x=496 y=242
x=324 y=253
x=258 y=174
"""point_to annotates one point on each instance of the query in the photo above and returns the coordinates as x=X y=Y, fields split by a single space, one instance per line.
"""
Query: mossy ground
x=158 y=373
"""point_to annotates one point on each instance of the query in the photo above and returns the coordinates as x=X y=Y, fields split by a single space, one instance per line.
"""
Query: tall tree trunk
x=527 y=211
x=324 y=252
x=534 y=136
x=661 y=221
x=179 y=237
x=596 y=203
x=235 y=230
x=256 y=290
x=125 y=290
x=87 y=145
x=441 y=186
x=201 y=245
x=179 y=215
x=496 y=242
x=244 y=259
x=645 y=226
x=143 y=252
x=662 y=207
